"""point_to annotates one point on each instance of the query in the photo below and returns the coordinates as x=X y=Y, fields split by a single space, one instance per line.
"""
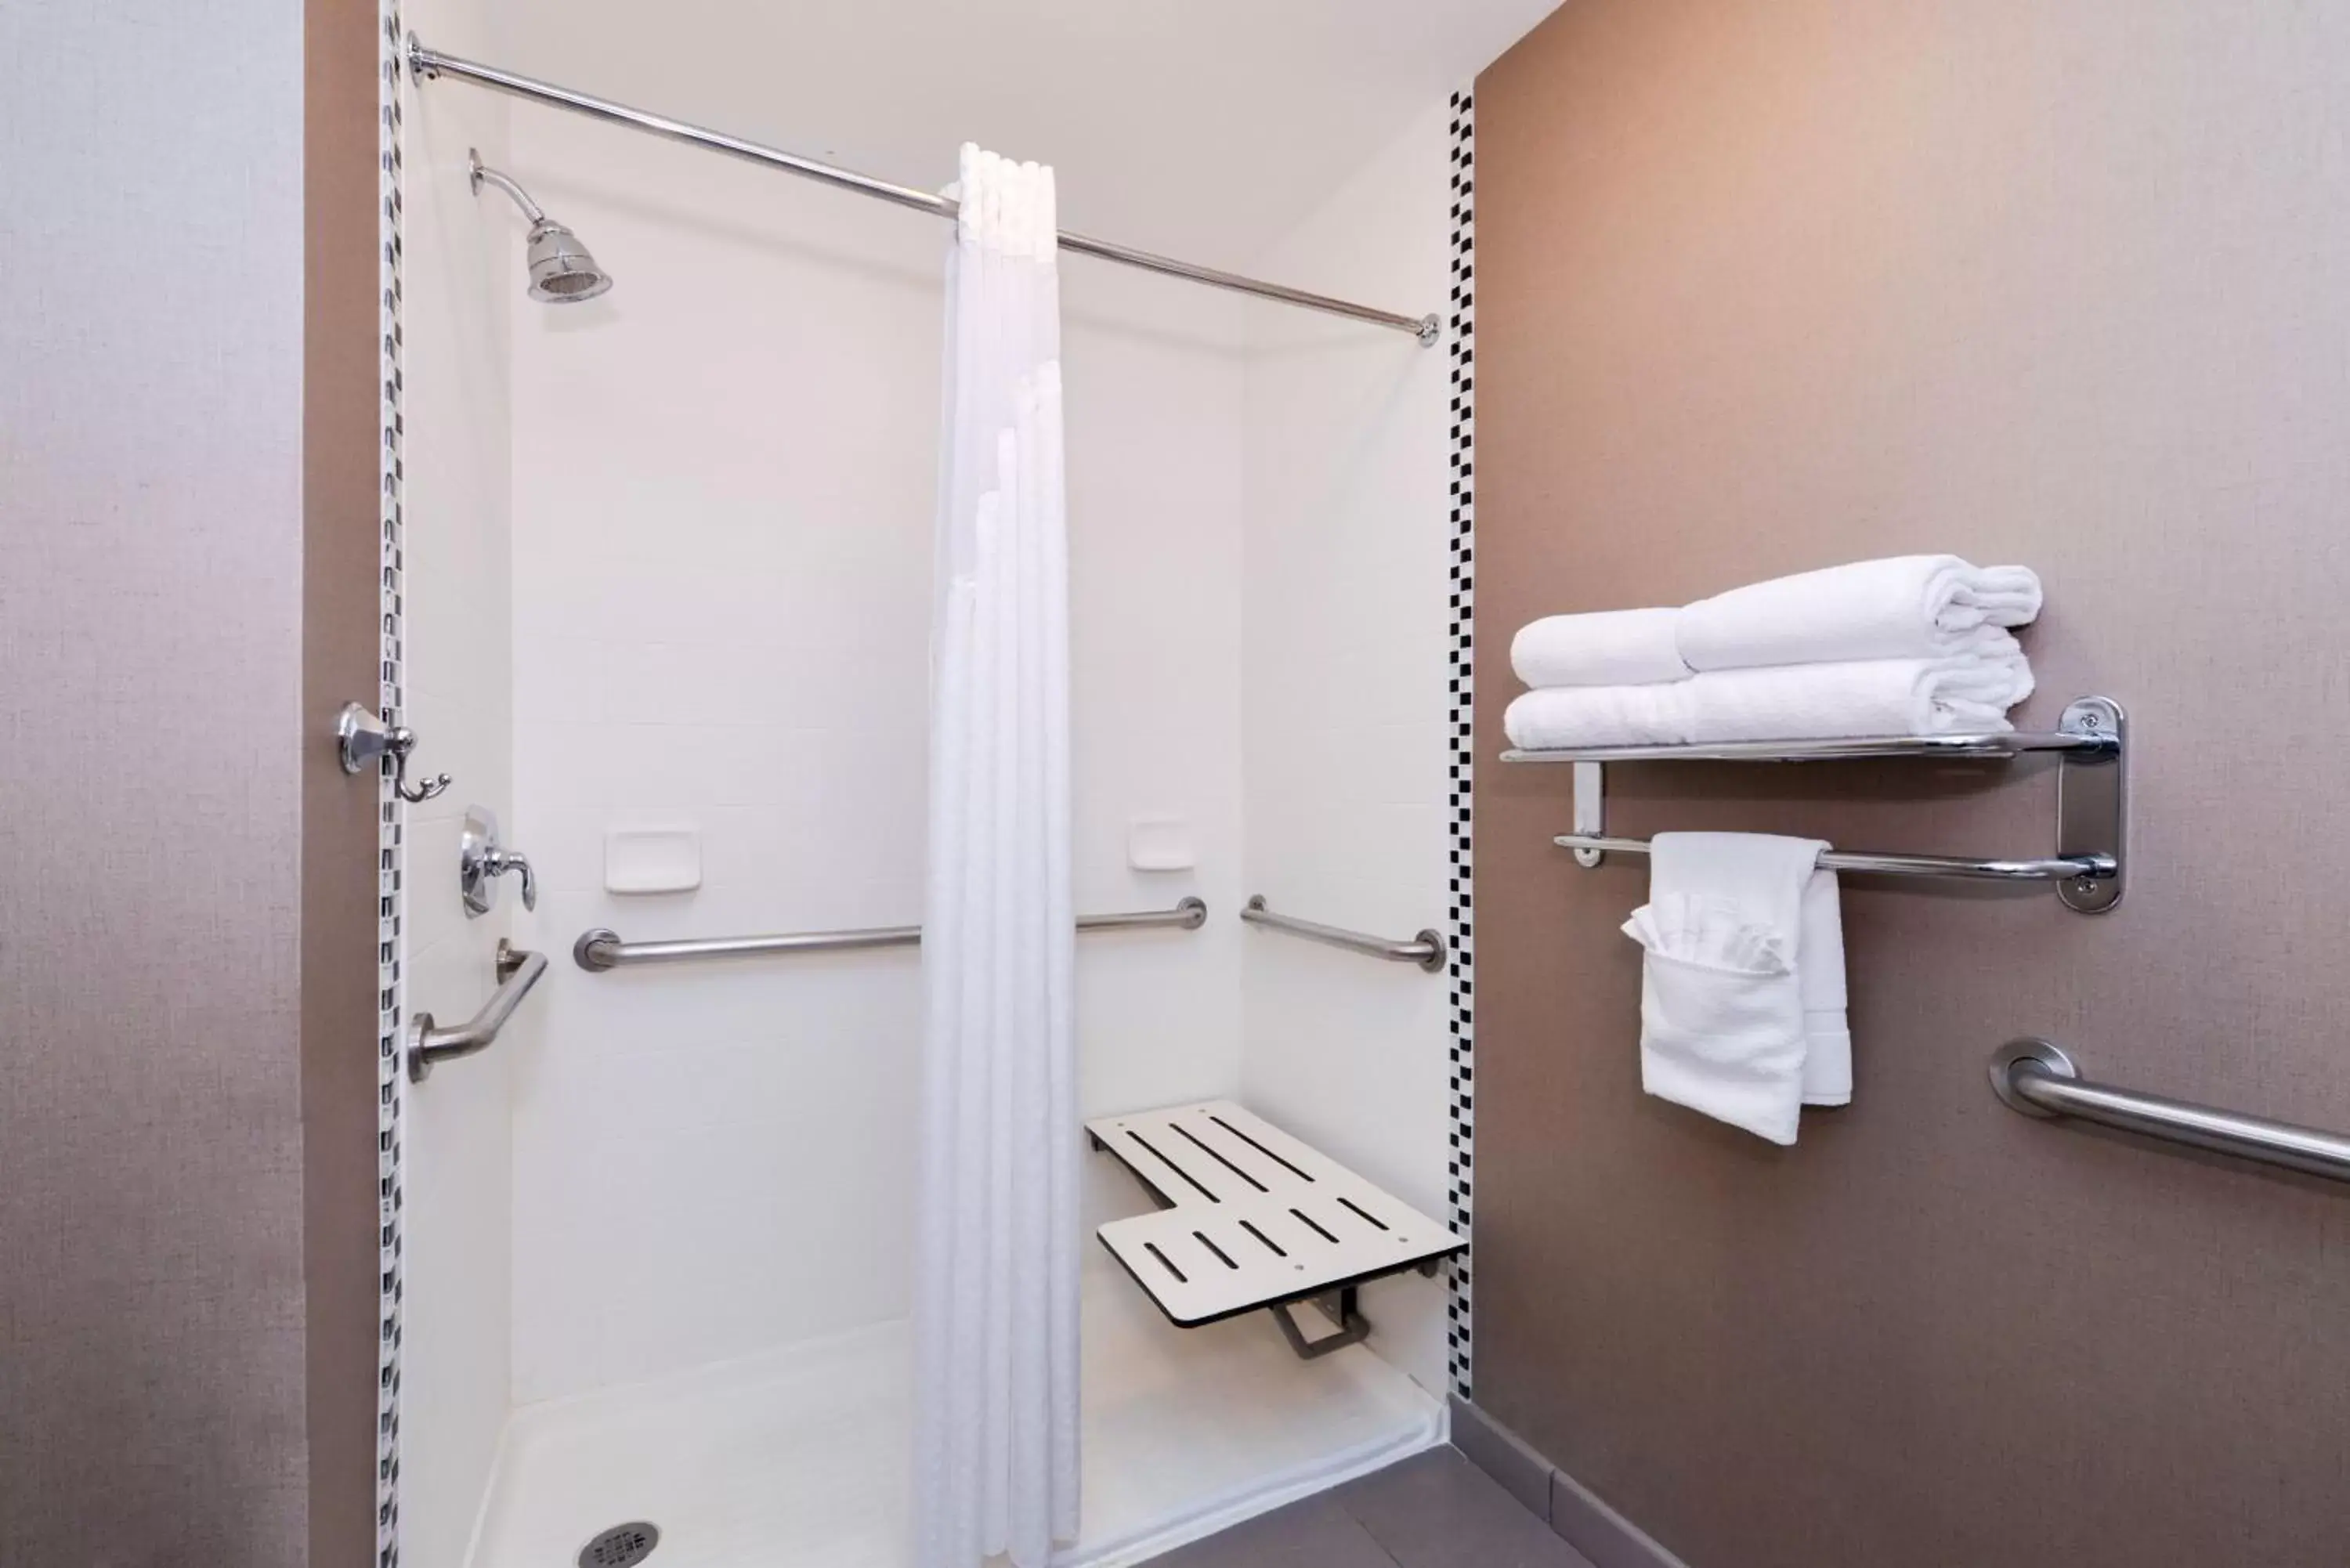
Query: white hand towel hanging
x=1725 y=1013
x=1819 y=974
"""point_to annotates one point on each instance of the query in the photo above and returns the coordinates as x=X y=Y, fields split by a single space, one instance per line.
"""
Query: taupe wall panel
x=154 y=728
x=341 y=593
x=1766 y=286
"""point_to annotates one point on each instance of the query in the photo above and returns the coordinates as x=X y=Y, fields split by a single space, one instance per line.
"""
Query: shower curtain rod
x=427 y=64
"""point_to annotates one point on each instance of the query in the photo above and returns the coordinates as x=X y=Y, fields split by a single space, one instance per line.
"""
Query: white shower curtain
x=996 y=1274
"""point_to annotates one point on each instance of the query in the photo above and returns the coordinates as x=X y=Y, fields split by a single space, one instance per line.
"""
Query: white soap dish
x=652 y=861
x=1159 y=844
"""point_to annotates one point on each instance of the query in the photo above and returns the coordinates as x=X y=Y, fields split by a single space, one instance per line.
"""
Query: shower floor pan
x=1252 y=1218
x=801 y=1457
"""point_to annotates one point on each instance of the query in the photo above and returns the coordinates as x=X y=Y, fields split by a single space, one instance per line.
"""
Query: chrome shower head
x=562 y=271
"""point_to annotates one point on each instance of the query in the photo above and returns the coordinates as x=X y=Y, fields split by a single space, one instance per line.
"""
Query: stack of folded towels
x=1913 y=645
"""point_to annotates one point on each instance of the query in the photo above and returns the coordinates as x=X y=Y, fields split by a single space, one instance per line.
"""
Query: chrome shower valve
x=481 y=860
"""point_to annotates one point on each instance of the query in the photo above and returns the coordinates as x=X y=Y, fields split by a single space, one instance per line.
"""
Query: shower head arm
x=562 y=270
x=483 y=174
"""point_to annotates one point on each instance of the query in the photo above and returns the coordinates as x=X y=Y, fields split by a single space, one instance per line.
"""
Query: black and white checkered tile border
x=391 y=899
x=1462 y=320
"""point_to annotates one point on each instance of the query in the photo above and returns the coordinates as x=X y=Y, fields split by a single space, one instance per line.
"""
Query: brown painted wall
x=342 y=436
x=186 y=425
x=1766 y=286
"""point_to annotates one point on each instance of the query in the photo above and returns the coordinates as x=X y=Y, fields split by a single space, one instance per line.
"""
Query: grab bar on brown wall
x=2039 y=1079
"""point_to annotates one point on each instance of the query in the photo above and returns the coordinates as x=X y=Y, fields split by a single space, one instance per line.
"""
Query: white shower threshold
x=797 y=1457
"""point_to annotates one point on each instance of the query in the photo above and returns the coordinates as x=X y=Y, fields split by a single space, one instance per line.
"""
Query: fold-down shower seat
x=1252 y=1218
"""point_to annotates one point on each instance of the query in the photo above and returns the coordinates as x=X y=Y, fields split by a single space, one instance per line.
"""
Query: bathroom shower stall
x=667 y=432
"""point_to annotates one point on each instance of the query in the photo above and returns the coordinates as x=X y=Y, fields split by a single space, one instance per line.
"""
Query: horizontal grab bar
x=1425 y=948
x=2057 y=868
x=428 y=1044
x=2039 y=1079
x=602 y=948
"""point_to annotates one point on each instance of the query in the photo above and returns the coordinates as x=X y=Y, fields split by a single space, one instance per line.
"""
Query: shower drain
x=622 y=1546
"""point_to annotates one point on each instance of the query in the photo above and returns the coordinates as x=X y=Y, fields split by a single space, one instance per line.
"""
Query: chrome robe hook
x=364 y=738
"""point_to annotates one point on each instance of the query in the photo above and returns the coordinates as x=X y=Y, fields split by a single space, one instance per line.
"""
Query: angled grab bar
x=1425 y=948
x=2038 y=1079
x=428 y=1044
x=602 y=949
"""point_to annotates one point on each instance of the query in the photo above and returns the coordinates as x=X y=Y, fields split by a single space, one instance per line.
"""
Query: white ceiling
x=1200 y=128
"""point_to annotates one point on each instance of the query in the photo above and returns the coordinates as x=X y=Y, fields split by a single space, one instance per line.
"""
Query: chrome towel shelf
x=2090 y=744
x=428 y=1044
x=2011 y=744
x=2039 y=1079
x=602 y=948
x=1425 y=948
x=2063 y=866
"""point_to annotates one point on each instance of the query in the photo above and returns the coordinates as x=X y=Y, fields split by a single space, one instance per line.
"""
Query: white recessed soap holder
x=652 y=859
x=1159 y=844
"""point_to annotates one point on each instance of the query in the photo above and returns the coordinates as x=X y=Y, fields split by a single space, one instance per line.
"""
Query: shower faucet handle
x=481 y=860
x=365 y=738
x=513 y=860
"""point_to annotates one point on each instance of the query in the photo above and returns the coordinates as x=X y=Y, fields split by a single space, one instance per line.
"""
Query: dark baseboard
x=1575 y=1513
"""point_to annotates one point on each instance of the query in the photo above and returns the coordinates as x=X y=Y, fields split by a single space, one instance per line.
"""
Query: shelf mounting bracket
x=1590 y=809
x=2091 y=810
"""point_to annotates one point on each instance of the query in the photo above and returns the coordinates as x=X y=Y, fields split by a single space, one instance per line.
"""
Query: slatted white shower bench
x=1249 y=1218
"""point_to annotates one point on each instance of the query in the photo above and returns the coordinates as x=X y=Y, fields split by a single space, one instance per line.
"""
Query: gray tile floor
x=1435 y=1510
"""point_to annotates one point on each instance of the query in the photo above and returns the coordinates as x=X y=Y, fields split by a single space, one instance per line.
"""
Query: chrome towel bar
x=1425 y=948
x=428 y=1044
x=602 y=948
x=2057 y=869
x=2090 y=744
x=2039 y=1079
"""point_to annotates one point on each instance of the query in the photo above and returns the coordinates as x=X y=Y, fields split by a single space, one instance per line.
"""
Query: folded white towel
x=1794 y=702
x=1723 y=1004
x=1905 y=606
x=1970 y=692
x=1608 y=648
x=1819 y=973
x=1654 y=715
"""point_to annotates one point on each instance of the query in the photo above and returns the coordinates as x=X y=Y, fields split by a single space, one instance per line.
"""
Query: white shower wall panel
x=461 y=261
x=1347 y=625
x=723 y=506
